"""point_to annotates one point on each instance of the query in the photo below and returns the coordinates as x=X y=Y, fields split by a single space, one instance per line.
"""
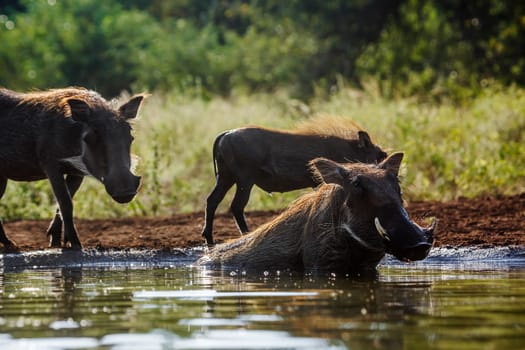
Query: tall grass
x=450 y=150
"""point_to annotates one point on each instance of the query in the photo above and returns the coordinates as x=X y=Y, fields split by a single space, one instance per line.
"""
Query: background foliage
x=440 y=80
x=447 y=47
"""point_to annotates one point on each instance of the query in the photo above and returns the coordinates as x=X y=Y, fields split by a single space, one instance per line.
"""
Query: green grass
x=450 y=150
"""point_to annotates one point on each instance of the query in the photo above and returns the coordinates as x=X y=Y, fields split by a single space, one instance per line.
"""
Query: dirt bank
x=486 y=222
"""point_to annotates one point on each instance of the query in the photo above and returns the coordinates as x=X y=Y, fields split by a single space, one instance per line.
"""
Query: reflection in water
x=191 y=308
x=207 y=294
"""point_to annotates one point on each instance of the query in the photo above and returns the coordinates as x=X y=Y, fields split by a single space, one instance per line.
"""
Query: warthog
x=345 y=226
x=63 y=135
x=277 y=161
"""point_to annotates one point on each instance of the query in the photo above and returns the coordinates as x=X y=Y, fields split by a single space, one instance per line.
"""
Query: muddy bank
x=488 y=222
x=491 y=221
x=472 y=233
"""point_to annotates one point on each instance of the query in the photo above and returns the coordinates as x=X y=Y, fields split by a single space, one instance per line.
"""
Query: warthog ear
x=80 y=110
x=364 y=140
x=328 y=171
x=392 y=163
x=130 y=109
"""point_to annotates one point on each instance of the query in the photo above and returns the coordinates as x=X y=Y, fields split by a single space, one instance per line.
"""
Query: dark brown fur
x=277 y=161
x=70 y=132
x=333 y=228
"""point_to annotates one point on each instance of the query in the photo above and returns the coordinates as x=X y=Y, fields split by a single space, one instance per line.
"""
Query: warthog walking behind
x=277 y=161
x=345 y=226
x=63 y=135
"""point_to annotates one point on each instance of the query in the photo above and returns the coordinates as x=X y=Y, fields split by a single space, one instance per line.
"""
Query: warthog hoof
x=209 y=238
x=74 y=246
x=53 y=243
x=11 y=247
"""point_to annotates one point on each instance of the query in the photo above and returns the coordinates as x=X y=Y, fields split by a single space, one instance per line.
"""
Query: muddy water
x=456 y=299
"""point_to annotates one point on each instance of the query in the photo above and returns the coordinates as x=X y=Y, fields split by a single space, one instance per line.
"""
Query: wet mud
x=485 y=225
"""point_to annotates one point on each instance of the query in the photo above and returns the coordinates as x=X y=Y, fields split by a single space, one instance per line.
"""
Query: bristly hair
x=55 y=99
x=329 y=125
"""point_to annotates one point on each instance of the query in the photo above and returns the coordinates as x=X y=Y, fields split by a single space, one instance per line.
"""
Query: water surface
x=453 y=300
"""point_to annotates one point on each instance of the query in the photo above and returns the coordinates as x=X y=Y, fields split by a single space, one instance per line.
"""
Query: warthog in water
x=277 y=161
x=63 y=135
x=345 y=226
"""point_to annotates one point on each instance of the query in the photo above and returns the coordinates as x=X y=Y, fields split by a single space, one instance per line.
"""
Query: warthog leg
x=55 y=228
x=242 y=194
x=222 y=186
x=8 y=244
x=65 y=204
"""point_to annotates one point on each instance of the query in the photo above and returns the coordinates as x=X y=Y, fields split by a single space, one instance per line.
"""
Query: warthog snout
x=410 y=243
x=416 y=252
x=124 y=194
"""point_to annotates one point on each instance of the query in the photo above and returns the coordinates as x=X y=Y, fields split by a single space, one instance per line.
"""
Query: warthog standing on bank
x=345 y=226
x=277 y=161
x=63 y=135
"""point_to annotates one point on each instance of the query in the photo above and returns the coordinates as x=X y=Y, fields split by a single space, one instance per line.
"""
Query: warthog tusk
x=381 y=230
x=134 y=162
x=429 y=231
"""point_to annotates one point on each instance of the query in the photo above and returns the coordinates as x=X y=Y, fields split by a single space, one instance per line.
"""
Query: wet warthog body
x=276 y=161
x=64 y=135
x=345 y=226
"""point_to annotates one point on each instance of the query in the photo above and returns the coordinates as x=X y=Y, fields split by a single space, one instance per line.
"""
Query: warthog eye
x=356 y=181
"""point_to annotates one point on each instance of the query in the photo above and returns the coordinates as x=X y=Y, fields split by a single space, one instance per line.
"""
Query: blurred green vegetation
x=440 y=80
x=445 y=48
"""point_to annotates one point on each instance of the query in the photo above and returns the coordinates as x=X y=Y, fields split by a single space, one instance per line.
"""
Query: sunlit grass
x=450 y=150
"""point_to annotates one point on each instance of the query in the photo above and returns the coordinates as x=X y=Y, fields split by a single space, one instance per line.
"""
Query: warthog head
x=105 y=145
x=373 y=214
x=366 y=151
